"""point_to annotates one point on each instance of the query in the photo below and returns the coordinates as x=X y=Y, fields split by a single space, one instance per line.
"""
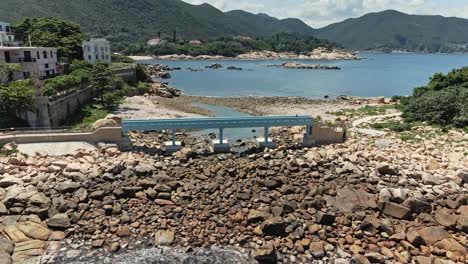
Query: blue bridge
x=221 y=123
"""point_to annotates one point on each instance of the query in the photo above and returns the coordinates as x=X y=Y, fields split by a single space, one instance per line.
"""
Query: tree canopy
x=64 y=35
x=14 y=97
x=444 y=101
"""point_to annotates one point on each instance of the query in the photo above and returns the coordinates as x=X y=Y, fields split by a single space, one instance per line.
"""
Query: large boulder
x=266 y=254
x=164 y=237
x=105 y=123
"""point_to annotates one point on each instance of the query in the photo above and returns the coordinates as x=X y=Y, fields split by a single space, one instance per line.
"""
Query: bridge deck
x=217 y=122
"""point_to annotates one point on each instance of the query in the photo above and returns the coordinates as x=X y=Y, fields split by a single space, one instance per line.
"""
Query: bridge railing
x=220 y=123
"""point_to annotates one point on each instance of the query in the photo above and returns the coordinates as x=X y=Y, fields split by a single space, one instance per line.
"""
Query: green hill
x=393 y=30
x=124 y=20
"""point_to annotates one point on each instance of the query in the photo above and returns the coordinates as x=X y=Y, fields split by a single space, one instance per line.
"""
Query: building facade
x=7 y=38
x=33 y=61
x=97 y=50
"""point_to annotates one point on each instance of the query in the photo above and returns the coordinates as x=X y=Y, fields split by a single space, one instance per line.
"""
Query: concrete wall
x=105 y=134
x=128 y=74
x=328 y=135
x=48 y=113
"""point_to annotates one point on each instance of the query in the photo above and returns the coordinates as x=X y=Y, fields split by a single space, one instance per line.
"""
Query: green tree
x=5 y=70
x=15 y=98
x=105 y=85
x=66 y=36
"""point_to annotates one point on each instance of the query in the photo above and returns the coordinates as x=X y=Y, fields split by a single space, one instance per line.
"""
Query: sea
x=376 y=75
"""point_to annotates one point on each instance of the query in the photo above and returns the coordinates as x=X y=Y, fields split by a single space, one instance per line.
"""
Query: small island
x=296 y=65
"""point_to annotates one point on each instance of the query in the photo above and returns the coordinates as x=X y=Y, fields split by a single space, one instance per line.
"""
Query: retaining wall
x=328 y=135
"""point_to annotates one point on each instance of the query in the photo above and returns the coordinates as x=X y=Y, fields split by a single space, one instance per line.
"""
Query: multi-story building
x=33 y=61
x=97 y=50
x=7 y=38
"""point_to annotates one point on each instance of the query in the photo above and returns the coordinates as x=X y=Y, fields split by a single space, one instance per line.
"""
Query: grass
x=7 y=153
x=410 y=137
x=365 y=111
x=87 y=116
x=393 y=126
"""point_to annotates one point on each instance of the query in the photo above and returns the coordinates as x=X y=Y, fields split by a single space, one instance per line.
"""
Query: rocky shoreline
x=363 y=201
x=317 y=54
x=296 y=65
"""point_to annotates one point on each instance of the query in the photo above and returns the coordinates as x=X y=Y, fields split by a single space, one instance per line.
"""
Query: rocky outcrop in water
x=296 y=65
x=164 y=90
x=214 y=66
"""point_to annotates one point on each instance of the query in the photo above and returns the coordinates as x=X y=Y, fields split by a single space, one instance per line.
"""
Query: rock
x=266 y=254
x=97 y=243
x=67 y=187
x=9 y=180
x=433 y=164
x=452 y=245
x=431 y=235
x=28 y=249
x=274 y=226
x=255 y=216
x=359 y=259
x=350 y=199
x=385 y=169
x=164 y=237
x=463 y=175
x=462 y=223
x=324 y=218
x=395 y=210
x=104 y=123
x=97 y=195
x=6 y=246
x=429 y=179
x=144 y=169
x=445 y=218
x=244 y=195
x=375 y=257
x=422 y=260
x=317 y=249
x=59 y=221
x=34 y=230
x=14 y=234
x=413 y=236
x=417 y=206
x=124 y=232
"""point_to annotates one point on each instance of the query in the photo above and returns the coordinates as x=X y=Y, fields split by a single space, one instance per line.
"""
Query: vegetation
x=394 y=126
x=230 y=47
x=130 y=21
x=392 y=30
x=14 y=97
x=66 y=36
x=5 y=70
x=365 y=111
x=444 y=101
x=4 y=153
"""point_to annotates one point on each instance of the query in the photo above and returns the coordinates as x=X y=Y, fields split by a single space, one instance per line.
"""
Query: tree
x=6 y=69
x=15 y=98
x=104 y=84
x=64 y=35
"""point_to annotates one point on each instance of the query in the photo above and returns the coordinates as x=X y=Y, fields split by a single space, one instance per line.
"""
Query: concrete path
x=54 y=149
x=368 y=131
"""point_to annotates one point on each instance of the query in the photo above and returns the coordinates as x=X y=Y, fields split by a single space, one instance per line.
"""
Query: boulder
x=59 y=221
x=452 y=245
x=104 y=123
x=325 y=218
x=274 y=226
x=385 y=169
x=34 y=230
x=164 y=237
x=432 y=234
x=463 y=175
x=445 y=218
x=395 y=210
x=67 y=187
x=266 y=254
x=317 y=249
x=417 y=206
x=351 y=199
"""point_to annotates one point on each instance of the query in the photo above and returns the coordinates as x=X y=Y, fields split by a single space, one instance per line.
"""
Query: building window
x=46 y=66
x=51 y=54
x=38 y=55
x=1 y=28
x=8 y=29
x=44 y=54
x=89 y=57
x=26 y=75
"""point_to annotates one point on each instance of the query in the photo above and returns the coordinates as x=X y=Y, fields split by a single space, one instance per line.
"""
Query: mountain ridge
x=136 y=21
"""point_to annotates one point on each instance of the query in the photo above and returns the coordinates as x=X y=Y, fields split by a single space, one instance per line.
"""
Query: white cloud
x=318 y=13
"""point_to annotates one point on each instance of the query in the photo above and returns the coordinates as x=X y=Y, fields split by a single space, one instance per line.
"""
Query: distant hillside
x=393 y=30
x=125 y=20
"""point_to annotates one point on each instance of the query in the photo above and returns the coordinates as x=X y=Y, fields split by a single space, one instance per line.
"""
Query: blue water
x=232 y=133
x=377 y=75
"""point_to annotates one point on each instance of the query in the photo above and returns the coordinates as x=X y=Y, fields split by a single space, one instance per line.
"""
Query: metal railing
x=27 y=60
x=220 y=123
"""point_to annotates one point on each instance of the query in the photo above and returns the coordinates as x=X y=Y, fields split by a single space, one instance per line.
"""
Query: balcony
x=27 y=60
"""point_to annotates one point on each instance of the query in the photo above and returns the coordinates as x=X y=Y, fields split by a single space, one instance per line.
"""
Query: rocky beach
x=317 y=54
x=369 y=200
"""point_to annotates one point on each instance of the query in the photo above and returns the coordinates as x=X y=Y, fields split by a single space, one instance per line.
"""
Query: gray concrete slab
x=54 y=148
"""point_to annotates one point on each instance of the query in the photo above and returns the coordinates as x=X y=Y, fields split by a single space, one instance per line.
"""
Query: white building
x=97 y=50
x=7 y=38
x=33 y=61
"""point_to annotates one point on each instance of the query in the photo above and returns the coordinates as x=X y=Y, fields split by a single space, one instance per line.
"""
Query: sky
x=319 y=13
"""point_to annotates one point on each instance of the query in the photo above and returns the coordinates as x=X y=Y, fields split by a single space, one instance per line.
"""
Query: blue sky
x=318 y=13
